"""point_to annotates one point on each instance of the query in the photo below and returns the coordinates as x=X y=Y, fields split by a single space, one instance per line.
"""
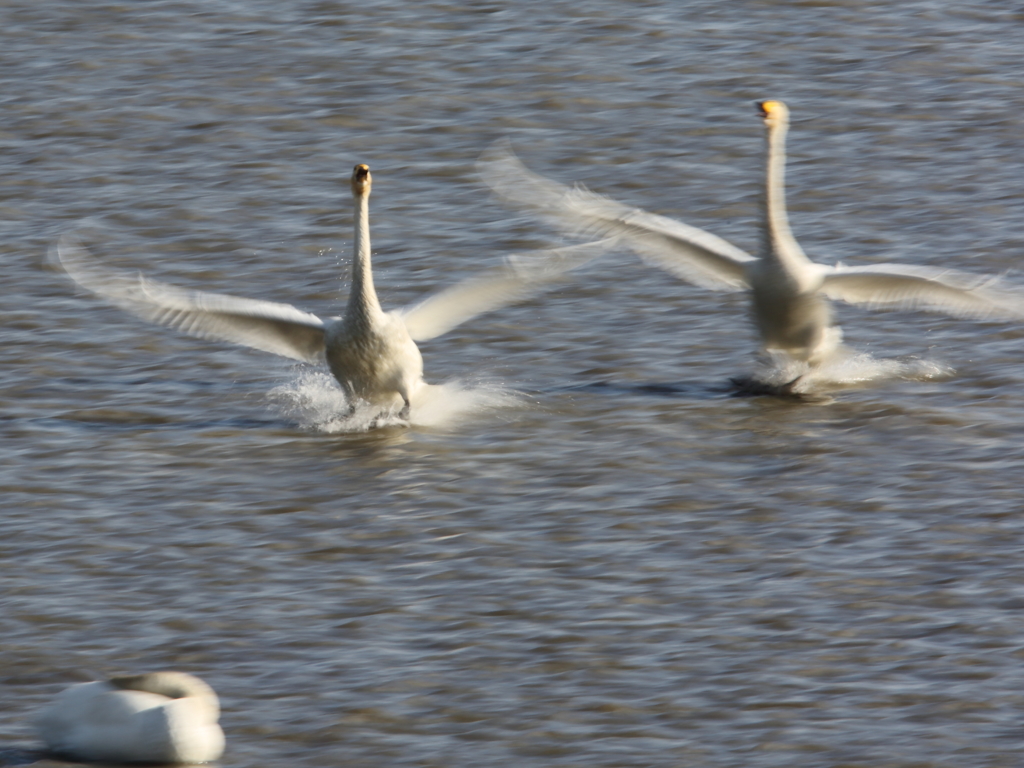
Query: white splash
x=314 y=399
x=779 y=374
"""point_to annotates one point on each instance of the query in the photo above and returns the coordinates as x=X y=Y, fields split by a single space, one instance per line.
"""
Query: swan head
x=361 y=180
x=774 y=112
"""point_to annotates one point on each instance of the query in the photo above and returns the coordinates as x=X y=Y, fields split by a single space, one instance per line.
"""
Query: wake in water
x=780 y=375
x=314 y=399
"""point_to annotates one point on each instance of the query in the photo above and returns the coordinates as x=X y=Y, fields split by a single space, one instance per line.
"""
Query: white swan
x=789 y=292
x=160 y=717
x=372 y=353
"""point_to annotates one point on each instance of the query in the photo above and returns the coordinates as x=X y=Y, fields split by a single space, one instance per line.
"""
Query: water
x=593 y=555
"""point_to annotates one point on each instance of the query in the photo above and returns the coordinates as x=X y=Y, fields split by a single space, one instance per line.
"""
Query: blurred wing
x=689 y=253
x=519 y=278
x=277 y=328
x=911 y=287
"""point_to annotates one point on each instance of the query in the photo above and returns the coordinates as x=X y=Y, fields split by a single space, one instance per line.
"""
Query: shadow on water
x=744 y=387
x=679 y=390
x=11 y=756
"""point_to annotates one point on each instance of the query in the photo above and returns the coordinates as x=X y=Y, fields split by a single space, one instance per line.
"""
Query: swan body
x=160 y=717
x=789 y=293
x=372 y=353
x=378 y=363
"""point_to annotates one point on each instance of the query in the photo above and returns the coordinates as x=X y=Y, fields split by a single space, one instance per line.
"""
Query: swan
x=789 y=293
x=372 y=353
x=159 y=717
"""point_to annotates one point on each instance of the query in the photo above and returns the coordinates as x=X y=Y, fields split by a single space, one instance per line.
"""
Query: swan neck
x=779 y=243
x=362 y=299
x=173 y=685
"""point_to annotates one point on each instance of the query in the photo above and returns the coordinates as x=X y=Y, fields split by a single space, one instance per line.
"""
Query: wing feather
x=280 y=329
x=519 y=278
x=905 y=286
x=687 y=252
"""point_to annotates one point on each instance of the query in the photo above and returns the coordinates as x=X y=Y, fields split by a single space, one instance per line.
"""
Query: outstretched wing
x=689 y=253
x=907 y=286
x=519 y=278
x=277 y=328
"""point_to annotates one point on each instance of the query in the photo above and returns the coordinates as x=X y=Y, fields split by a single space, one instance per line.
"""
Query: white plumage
x=789 y=292
x=372 y=353
x=160 y=717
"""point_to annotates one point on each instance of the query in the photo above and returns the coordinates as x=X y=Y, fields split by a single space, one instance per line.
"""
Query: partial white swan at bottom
x=159 y=717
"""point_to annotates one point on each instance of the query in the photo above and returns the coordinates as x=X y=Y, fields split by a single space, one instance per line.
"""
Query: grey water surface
x=611 y=561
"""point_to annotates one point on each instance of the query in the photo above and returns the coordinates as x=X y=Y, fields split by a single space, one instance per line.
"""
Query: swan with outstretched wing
x=372 y=353
x=789 y=292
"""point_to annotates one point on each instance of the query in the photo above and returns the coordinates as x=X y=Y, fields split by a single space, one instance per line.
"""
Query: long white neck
x=778 y=244
x=362 y=298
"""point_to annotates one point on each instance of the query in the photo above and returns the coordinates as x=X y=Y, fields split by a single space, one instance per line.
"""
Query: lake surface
x=592 y=555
